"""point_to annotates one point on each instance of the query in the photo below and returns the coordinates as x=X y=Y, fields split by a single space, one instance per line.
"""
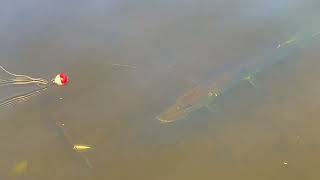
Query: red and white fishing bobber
x=61 y=79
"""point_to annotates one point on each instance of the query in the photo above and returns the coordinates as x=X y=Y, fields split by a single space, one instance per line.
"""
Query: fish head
x=175 y=112
x=185 y=104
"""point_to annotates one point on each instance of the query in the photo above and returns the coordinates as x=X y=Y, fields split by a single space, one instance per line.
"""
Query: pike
x=225 y=78
x=205 y=93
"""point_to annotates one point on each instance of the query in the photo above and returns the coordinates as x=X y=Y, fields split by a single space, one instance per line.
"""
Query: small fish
x=81 y=148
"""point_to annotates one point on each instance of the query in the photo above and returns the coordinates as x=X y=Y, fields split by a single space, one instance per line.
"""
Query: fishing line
x=19 y=79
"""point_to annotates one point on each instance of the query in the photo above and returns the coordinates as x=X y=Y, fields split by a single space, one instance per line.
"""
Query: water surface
x=265 y=133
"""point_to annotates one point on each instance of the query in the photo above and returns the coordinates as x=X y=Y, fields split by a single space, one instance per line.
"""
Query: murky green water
x=268 y=132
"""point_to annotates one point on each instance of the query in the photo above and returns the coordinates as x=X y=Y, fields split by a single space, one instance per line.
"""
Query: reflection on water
x=130 y=61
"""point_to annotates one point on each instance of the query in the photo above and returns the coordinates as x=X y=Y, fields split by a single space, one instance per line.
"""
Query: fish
x=81 y=148
x=205 y=93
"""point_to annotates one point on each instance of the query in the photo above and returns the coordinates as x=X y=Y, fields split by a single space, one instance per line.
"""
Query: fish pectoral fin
x=251 y=79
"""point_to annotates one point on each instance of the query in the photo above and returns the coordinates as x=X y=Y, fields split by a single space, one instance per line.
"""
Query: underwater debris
x=124 y=65
x=20 y=168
